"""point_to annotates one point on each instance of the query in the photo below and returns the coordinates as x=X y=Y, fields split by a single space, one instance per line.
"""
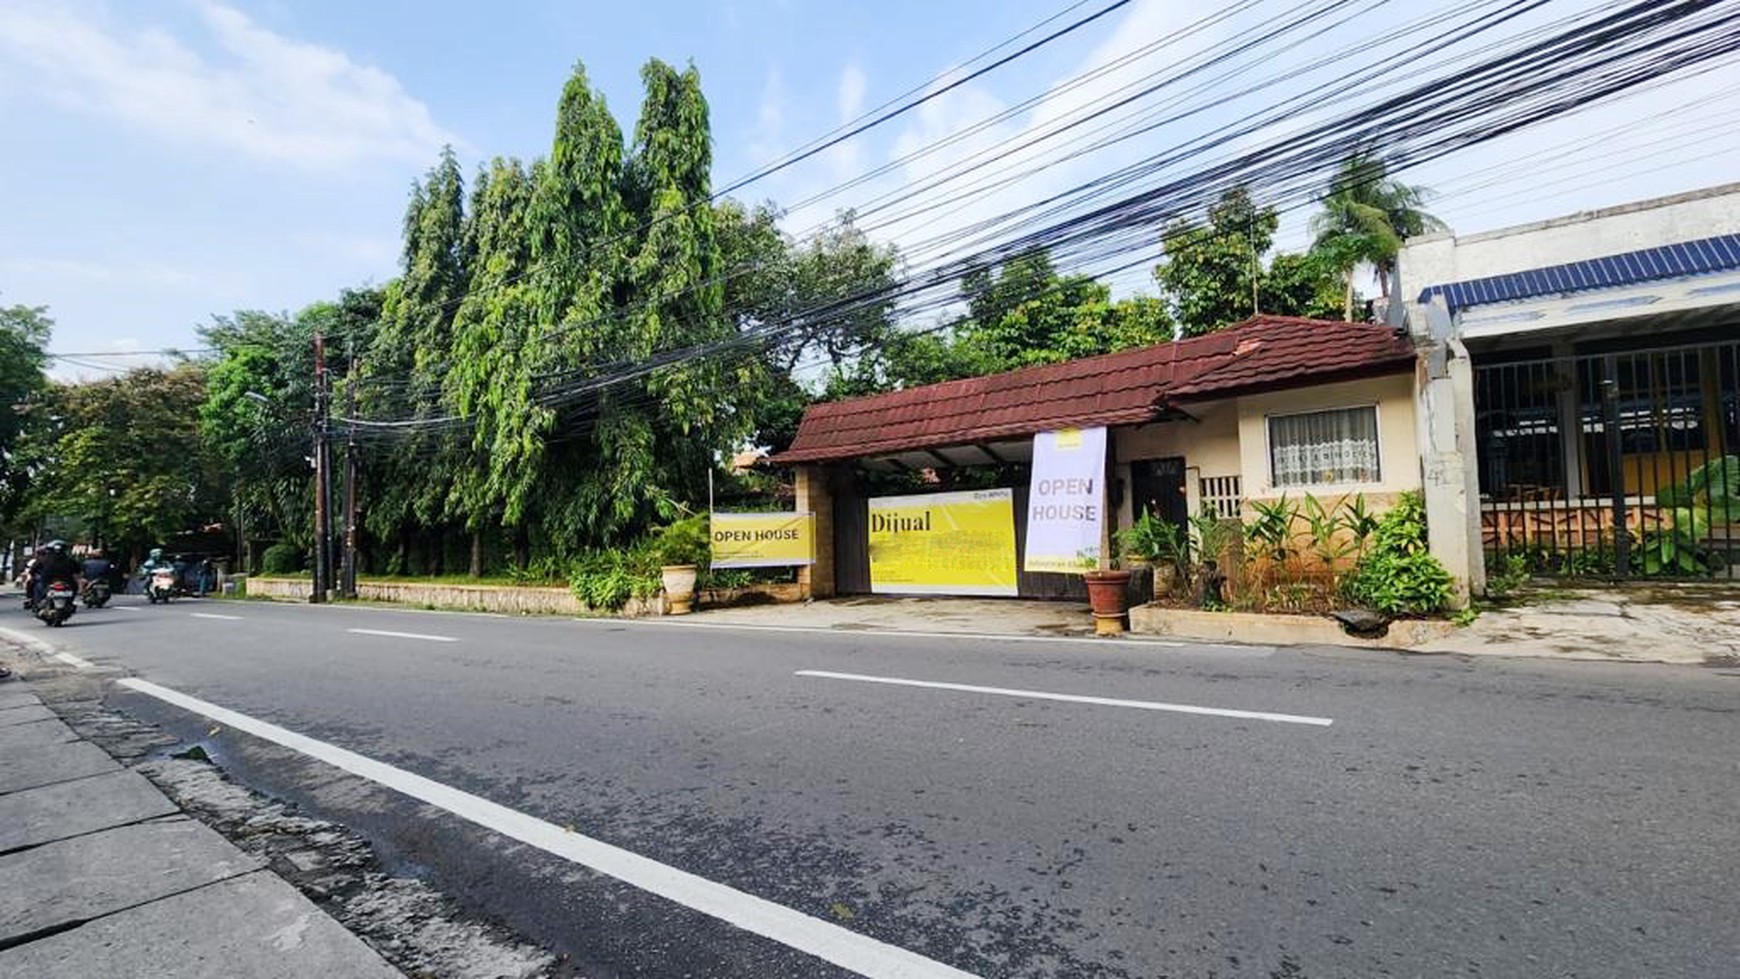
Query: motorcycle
x=161 y=586
x=96 y=593
x=56 y=605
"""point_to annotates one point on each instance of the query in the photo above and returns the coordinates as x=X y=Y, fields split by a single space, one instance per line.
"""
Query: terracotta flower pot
x=1106 y=590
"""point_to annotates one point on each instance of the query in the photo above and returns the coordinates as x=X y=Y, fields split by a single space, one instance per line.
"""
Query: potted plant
x=682 y=549
x=1107 y=587
x=1158 y=543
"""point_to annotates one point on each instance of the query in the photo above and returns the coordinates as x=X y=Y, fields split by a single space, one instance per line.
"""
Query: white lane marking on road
x=214 y=615
x=896 y=633
x=78 y=661
x=124 y=608
x=825 y=940
x=1251 y=715
x=401 y=635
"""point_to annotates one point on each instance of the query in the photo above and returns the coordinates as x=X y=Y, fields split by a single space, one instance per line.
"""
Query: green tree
x=403 y=372
x=818 y=305
x=495 y=328
x=24 y=333
x=1302 y=284
x=255 y=421
x=1221 y=272
x=1366 y=216
x=1210 y=274
x=128 y=461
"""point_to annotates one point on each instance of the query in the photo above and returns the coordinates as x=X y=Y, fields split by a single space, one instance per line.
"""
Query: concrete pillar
x=815 y=495
x=1450 y=477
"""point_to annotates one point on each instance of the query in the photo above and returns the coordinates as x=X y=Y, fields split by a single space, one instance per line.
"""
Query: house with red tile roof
x=1273 y=405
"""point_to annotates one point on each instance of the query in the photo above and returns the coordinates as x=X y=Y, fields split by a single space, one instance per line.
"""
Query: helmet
x=55 y=545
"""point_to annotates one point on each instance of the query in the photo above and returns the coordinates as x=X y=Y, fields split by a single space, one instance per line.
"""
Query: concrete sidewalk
x=102 y=875
x=1695 y=625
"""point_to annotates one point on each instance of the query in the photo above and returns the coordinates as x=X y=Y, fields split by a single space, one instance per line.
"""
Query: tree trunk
x=477 y=553
x=1349 y=309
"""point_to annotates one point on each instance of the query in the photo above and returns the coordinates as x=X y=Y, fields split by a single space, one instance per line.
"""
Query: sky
x=171 y=160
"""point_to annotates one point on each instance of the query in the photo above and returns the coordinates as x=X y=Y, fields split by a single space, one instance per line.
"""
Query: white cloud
x=847 y=158
x=237 y=85
x=767 y=141
x=851 y=94
x=86 y=272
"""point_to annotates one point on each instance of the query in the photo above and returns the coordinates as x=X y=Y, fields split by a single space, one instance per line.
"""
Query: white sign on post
x=1066 y=500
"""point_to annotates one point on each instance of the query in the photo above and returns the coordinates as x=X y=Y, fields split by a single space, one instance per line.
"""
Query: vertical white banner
x=1066 y=500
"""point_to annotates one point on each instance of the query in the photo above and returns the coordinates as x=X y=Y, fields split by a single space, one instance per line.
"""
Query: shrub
x=606 y=579
x=1505 y=573
x=685 y=542
x=1398 y=576
x=281 y=559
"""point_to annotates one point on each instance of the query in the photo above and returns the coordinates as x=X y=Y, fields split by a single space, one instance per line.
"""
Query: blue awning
x=1676 y=261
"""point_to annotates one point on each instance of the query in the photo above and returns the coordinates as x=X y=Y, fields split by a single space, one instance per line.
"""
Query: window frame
x=1377 y=445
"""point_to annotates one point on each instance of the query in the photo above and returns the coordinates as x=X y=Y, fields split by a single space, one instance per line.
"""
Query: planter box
x=1277 y=630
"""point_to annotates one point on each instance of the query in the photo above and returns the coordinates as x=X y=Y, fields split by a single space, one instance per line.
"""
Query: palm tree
x=1366 y=216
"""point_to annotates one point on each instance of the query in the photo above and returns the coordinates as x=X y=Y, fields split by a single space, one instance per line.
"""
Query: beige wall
x=1231 y=439
x=1209 y=445
x=1398 y=445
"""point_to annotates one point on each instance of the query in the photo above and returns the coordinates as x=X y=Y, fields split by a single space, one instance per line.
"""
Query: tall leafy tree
x=1211 y=274
x=821 y=302
x=496 y=326
x=255 y=421
x=408 y=358
x=1366 y=215
x=1222 y=271
x=24 y=333
x=127 y=458
x=578 y=224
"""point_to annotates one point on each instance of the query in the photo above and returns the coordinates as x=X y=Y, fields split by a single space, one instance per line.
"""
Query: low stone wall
x=1278 y=630
x=509 y=599
x=769 y=593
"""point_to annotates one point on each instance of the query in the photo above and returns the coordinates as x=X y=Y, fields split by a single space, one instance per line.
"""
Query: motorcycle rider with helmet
x=52 y=564
x=152 y=562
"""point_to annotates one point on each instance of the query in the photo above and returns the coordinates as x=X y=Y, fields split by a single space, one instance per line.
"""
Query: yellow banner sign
x=763 y=540
x=943 y=544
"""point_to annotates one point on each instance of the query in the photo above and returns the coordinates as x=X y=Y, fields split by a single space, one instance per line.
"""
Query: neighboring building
x=1273 y=405
x=1582 y=376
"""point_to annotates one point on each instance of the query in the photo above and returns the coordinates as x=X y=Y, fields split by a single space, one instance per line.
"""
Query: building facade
x=1581 y=403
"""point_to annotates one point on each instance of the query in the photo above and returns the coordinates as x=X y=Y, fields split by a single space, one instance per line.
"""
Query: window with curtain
x=1324 y=448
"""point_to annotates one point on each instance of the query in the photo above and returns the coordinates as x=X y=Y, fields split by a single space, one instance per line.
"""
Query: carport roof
x=1129 y=387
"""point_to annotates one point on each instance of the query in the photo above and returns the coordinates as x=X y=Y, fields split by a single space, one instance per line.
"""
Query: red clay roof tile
x=1262 y=353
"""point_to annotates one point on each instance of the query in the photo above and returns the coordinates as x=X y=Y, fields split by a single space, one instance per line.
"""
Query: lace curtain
x=1324 y=447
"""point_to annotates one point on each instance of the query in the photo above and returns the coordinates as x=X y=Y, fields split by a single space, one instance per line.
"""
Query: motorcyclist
x=52 y=564
x=97 y=566
x=152 y=562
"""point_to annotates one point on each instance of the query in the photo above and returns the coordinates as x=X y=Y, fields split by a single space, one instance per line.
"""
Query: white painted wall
x=1445 y=258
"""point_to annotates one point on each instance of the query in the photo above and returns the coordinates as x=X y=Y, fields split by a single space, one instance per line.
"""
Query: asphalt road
x=1458 y=817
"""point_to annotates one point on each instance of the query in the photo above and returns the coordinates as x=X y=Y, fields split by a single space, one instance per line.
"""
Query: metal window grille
x=1221 y=496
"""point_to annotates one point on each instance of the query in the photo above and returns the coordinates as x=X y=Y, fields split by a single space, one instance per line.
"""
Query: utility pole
x=322 y=501
x=347 y=582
